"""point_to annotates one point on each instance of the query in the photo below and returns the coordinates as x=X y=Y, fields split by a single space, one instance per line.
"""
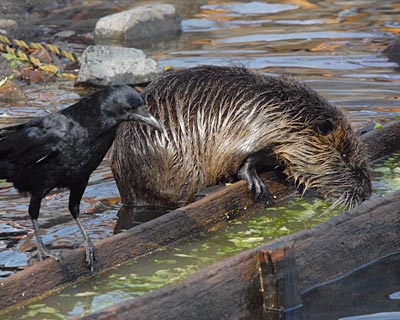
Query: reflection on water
x=363 y=291
x=376 y=316
x=333 y=45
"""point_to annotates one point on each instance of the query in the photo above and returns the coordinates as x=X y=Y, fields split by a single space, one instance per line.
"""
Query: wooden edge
x=205 y=214
x=268 y=280
x=384 y=141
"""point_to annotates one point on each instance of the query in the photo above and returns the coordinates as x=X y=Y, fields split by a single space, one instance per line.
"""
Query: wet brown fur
x=218 y=117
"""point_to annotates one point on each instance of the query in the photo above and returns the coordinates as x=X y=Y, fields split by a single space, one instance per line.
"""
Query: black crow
x=62 y=149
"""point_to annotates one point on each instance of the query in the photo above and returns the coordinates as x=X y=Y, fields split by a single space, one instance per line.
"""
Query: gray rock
x=140 y=23
x=65 y=34
x=107 y=65
x=7 y=25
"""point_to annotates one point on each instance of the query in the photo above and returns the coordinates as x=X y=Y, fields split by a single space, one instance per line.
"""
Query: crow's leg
x=74 y=202
x=34 y=208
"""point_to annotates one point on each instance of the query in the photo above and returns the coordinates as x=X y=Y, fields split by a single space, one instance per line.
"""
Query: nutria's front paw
x=254 y=182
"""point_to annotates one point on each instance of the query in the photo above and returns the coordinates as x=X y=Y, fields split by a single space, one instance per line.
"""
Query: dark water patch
x=362 y=291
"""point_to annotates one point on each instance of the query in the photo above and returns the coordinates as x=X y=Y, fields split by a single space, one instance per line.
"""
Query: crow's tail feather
x=8 y=131
x=6 y=169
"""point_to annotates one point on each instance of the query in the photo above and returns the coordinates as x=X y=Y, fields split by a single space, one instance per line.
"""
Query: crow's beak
x=144 y=115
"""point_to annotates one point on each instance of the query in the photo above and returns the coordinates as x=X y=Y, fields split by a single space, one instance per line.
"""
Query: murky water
x=333 y=45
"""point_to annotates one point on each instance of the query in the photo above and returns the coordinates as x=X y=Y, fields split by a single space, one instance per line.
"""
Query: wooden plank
x=231 y=289
x=384 y=141
x=208 y=213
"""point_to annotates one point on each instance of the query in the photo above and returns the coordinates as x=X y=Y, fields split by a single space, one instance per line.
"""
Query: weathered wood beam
x=384 y=141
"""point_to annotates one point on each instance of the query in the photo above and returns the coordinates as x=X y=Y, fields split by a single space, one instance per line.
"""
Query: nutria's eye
x=344 y=156
x=326 y=127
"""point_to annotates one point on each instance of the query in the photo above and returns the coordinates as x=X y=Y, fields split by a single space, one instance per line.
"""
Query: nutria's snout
x=226 y=123
x=352 y=197
x=334 y=164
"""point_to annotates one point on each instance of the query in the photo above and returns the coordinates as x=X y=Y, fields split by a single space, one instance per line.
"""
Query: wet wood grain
x=384 y=141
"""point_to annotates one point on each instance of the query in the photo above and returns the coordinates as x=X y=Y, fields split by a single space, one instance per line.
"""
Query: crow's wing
x=34 y=141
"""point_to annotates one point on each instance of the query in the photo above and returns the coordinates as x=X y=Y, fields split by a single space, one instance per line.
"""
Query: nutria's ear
x=325 y=127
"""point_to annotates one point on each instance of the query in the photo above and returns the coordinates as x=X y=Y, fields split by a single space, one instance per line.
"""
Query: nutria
x=227 y=123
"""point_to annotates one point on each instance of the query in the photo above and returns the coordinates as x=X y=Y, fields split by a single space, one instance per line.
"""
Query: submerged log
x=208 y=213
x=384 y=141
x=268 y=281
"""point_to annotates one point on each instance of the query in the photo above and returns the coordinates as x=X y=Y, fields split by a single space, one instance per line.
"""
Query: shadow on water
x=362 y=294
x=129 y=217
x=370 y=292
x=370 y=289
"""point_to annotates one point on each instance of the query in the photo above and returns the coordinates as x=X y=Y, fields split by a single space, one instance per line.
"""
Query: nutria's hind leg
x=248 y=172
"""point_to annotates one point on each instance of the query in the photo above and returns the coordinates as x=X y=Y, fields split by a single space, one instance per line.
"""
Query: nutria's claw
x=254 y=182
x=260 y=188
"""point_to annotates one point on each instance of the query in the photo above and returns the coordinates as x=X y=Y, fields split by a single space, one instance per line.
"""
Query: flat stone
x=140 y=23
x=109 y=65
x=7 y=26
x=7 y=23
x=65 y=34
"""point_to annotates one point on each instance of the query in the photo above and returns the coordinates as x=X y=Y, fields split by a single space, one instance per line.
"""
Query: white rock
x=108 y=65
x=139 y=23
x=7 y=26
x=7 y=23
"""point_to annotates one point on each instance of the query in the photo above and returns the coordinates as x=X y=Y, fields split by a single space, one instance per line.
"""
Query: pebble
x=65 y=34
x=7 y=24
